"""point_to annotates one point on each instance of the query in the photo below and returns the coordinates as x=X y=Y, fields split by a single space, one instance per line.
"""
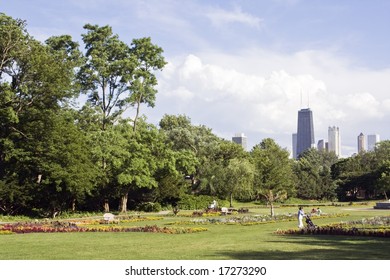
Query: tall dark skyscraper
x=305 y=133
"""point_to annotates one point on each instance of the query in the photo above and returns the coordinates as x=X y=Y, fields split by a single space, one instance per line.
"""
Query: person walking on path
x=301 y=214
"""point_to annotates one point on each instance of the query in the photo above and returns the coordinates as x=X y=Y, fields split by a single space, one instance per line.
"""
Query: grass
x=219 y=242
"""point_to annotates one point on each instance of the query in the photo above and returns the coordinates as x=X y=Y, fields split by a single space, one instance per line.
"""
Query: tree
x=239 y=175
x=34 y=86
x=148 y=59
x=313 y=173
x=116 y=76
x=356 y=176
x=197 y=142
x=67 y=173
x=273 y=177
x=137 y=167
x=382 y=155
x=106 y=72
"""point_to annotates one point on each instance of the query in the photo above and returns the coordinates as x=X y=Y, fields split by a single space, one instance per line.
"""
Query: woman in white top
x=301 y=214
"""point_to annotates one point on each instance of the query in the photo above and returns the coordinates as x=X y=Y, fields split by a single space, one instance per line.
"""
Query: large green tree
x=382 y=155
x=238 y=177
x=356 y=176
x=143 y=84
x=273 y=177
x=313 y=173
x=117 y=76
x=67 y=173
x=34 y=88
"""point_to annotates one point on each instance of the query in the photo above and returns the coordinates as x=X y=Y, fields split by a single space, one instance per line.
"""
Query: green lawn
x=219 y=242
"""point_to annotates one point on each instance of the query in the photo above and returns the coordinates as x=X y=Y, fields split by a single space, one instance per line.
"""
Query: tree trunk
x=137 y=114
x=73 y=204
x=231 y=199
x=272 y=209
x=106 y=206
x=123 y=206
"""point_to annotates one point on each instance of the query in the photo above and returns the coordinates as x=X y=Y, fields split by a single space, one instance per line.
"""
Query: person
x=301 y=214
x=213 y=205
x=319 y=212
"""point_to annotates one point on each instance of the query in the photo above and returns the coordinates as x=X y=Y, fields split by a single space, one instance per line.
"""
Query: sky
x=249 y=66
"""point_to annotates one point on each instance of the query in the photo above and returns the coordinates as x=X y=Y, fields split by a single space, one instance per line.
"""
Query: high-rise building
x=240 y=139
x=361 y=142
x=321 y=146
x=294 y=145
x=334 y=144
x=305 y=134
x=372 y=140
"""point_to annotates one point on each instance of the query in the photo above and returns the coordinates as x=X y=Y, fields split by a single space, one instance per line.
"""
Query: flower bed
x=49 y=228
x=119 y=219
x=248 y=220
x=374 y=227
x=336 y=230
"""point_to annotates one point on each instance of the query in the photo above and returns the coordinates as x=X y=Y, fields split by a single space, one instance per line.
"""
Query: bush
x=149 y=207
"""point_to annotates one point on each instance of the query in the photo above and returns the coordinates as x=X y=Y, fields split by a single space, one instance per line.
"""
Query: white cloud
x=220 y=17
x=364 y=102
x=235 y=93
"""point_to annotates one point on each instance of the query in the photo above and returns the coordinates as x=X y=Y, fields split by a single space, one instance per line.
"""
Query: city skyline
x=252 y=59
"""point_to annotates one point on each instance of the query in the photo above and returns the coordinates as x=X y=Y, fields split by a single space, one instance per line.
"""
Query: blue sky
x=248 y=66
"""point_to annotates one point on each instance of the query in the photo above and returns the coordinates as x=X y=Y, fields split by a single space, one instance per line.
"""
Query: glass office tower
x=305 y=134
x=240 y=139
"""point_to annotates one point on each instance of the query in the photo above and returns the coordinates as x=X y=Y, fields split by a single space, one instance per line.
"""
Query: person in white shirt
x=301 y=214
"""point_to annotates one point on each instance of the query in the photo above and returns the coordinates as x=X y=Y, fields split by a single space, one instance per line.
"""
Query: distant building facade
x=241 y=139
x=305 y=131
x=334 y=144
x=361 y=142
x=372 y=140
x=294 y=145
x=321 y=145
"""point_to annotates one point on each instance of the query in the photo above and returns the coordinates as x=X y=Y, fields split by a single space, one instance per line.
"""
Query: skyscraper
x=334 y=144
x=305 y=134
x=361 y=143
x=294 y=145
x=240 y=139
x=321 y=145
x=372 y=140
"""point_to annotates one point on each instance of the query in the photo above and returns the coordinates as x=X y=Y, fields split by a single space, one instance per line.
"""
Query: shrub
x=149 y=207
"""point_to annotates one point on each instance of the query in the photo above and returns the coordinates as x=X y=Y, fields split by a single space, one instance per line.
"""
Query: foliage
x=364 y=175
x=35 y=88
x=149 y=207
x=313 y=173
x=273 y=177
x=238 y=177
